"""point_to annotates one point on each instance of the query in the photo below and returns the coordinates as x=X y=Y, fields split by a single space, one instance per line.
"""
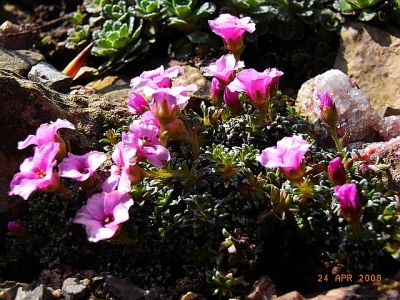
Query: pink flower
x=81 y=167
x=137 y=104
x=14 y=226
x=287 y=155
x=163 y=77
x=224 y=69
x=349 y=200
x=149 y=119
x=275 y=74
x=232 y=29
x=46 y=133
x=103 y=214
x=144 y=138
x=166 y=102
x=328 y=109
x=256 y=85
x=124 y=171
x=37 y=172
x=336 y=171
x=231 y=100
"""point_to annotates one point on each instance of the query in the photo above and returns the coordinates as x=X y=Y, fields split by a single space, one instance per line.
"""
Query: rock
x=48 y=75
x=386 y=152
x=19 y=61
x=14 y=37
x=388 y=111
x=264 y=289
x=8 y=289
x=103 y=84
x=390 y=127
x=361 y=291
x=85 y=74
x=355 y=112
x=191 y=296
x=290 y=296
x=118 y=96
x=124 y=290
x=39 y=293
x=25 y=105
x=73 y=289
x=372 y=58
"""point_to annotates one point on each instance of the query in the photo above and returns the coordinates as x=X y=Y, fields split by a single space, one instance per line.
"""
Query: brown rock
x=26 y=105
x=264 y=289
x=19 y=61
x=371 y=57
x=290 y=296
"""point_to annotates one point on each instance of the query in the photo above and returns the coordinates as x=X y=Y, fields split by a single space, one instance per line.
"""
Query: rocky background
x=365 y=81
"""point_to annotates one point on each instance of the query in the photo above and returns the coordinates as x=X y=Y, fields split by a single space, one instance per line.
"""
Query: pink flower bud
x=231 y=100
x=14 y=226
x=349 y=201
x=336 y=171
x=328 y=109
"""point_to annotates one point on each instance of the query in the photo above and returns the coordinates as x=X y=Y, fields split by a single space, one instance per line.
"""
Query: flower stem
x=337 y=141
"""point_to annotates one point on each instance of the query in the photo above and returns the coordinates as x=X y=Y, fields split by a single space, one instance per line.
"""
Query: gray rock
x=355 y=113
x=19 y=61
x=124 y=290
x=85 y=74
x=73 y=289
x=8 y=289
x=48 y=75
x=39 y=293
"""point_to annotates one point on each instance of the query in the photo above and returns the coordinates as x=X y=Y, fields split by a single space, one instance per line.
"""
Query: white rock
x=356 y=114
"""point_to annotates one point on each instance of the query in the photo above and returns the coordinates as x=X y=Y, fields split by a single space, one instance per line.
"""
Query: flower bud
x=328 y=109
x=336 y=171
x=349 y=201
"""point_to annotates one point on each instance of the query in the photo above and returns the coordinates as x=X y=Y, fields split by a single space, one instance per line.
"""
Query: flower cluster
x=229 y=76
x=39 y=171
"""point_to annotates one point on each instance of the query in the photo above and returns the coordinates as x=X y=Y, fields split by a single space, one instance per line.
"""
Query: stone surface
x=39 y=293
x=14 y=37
x=290 y=296
x=372 y=58
x=73 y=289
x=264 y=289
x=355 y=112
x=48 y=75
x=86 y=73
x=390 y=127
x=8 y=289
x=19 y=61
x=123 y=289
x=25 y=105
x=386 y=152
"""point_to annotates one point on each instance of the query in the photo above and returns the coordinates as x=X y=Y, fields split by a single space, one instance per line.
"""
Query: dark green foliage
x=220 y=219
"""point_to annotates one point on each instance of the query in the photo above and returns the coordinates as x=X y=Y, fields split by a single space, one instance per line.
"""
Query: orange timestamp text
x=347 y=277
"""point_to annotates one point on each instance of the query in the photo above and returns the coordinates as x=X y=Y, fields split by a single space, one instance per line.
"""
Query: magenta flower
x=144 y=138
x=124 y=171
x=14 y=226
x=37 y=172
x=256 y=85
x=328 y=109
x=231 y=100
x=137 y=104
x=167 y=102
x=349 y=201
x=336 y=171
x=275 y=75
x=287 y=155
x=163 y=77
x=224 y=69
x=232 y=29
x=103 y=214
x=81 y=167
x=46 y=133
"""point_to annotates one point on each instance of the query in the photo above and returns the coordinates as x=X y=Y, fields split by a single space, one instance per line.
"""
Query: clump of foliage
x=210 y=205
